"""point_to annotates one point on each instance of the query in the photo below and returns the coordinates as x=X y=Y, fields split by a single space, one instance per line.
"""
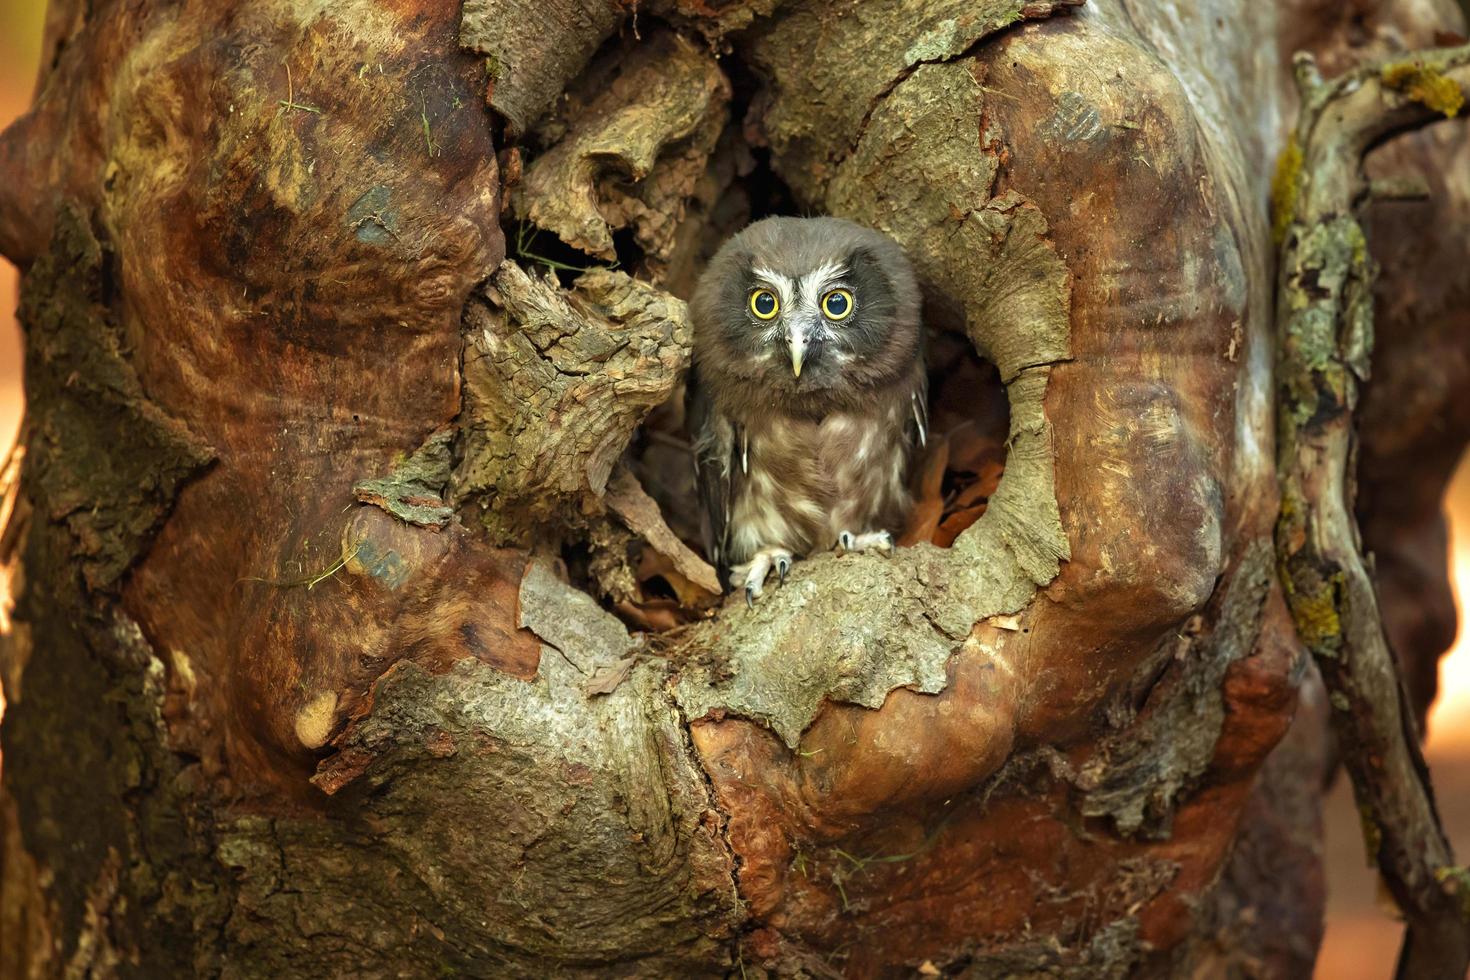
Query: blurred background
x=20 y=51
x=1362 y=938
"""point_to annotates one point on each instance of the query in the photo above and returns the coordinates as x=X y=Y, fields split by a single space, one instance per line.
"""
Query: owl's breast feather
x=809 y=481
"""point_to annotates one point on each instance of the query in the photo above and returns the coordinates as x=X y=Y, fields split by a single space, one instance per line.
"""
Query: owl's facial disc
x=799 y=312
x=803 y=314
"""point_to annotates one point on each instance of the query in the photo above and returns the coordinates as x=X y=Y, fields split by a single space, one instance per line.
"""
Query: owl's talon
x=753 y=574
x=880 y=541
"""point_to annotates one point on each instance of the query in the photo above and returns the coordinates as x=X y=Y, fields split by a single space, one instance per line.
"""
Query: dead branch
x=1325 y=338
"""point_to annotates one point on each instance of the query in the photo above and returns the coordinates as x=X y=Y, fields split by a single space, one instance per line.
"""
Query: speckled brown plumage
x=803 y=423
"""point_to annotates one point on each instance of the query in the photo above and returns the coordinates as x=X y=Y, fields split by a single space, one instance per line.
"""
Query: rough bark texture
x=1327 y=337
x=327 y=500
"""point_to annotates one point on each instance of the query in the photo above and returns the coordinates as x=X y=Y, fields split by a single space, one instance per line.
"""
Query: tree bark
x=1326 y=328
x=355 y=342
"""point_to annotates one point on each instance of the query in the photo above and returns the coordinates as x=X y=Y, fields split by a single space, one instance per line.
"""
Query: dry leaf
x=923 y=522
x=607 y=678
x=954 y=483
x=654 y=616
x=955 y=524
x=970 y=447
x=652 y=566
x=931 y=473
x=969 y=496
x=928 y=487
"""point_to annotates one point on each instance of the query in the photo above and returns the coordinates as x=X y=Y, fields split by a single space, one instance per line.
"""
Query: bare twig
x=1325 y=323
x=289 y=102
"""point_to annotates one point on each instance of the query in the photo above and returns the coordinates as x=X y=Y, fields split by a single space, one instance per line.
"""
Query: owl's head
x=805 y=307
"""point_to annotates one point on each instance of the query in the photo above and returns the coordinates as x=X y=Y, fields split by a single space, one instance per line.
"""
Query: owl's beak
x=796 y=341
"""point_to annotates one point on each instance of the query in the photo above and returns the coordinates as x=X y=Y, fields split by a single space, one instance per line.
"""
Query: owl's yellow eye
x=837 y=304
x=764 y=305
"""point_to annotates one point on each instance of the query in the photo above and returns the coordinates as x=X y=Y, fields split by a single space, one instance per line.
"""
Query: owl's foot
x=871 y=541
x=753 y=573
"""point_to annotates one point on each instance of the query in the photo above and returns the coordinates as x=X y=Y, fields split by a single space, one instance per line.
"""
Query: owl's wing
x=918 y=426
x=717 y=471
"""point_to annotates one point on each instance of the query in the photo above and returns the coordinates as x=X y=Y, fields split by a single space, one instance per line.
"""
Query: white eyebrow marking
x=815 y=283
x=785 y=288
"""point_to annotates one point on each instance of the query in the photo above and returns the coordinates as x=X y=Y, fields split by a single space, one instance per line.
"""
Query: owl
x=807 y=394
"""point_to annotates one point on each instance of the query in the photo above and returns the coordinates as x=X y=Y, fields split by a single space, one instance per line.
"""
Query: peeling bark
x=628 y=150
x=533 y=48
x=554 y=386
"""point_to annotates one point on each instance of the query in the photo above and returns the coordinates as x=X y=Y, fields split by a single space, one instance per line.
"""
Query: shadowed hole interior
x=951 y=478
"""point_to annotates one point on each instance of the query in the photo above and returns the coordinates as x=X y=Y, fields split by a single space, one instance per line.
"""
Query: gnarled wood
x=339 y=577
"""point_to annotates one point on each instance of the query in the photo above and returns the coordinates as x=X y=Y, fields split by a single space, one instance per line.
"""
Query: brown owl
x=807 y=395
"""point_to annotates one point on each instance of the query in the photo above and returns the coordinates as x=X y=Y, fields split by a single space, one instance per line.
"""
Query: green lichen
x=1425 y=84
x=1359 y=242
x=1315 y=612
x=1285 y=188
x=1457 y=880
x=1327 y=330
x=1292 y=506
x=952 y=35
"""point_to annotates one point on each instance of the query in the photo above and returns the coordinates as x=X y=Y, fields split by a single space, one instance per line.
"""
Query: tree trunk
x=357 y=629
